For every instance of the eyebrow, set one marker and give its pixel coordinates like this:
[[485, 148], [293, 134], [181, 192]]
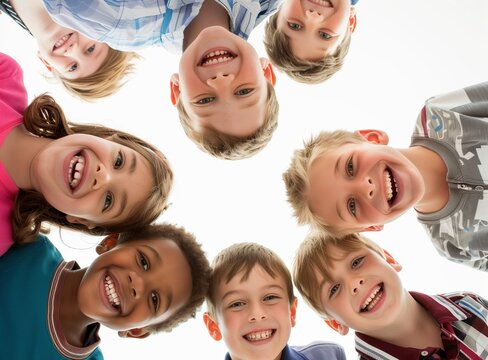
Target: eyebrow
[[336, 170], [253, 99], [154, 252], [123, 197], [232, 292]]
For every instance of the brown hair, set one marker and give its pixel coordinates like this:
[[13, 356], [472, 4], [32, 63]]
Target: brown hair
[[45, 118], [107, 80], [312, 259], [230, 147], [279, 51], [199, 268], [296, 177], [240, 259]]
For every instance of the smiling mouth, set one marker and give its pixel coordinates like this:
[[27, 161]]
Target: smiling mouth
[[324, 3], [391, 186], [259, 335], [75, 170], [61, 41], [373, 298], [217, 57], [112, 296]]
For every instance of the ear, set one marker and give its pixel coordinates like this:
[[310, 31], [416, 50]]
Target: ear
[[212, 327], [293, 312], [352, 19], [372, 228], [378, 137], [44, 61], [135, 333], [174, 84], [268, 70], [391, 260], [107, 243], [78, 220], [338, 327]]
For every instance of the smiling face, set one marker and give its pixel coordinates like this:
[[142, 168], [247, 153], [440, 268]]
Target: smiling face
[[315, 28], [222, 83], [93, 180], [356, 186], [136, 284], [363, 292], [254, 315]]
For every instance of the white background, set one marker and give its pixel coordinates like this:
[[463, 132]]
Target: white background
[[402, 53]]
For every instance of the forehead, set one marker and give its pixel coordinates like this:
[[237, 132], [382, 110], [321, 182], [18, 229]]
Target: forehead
[[256, 279]]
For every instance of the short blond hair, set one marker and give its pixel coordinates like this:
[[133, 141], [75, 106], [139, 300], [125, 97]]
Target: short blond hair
[[296, 177], [313, 259], [239, 260], [277, 45], [107, 80], [228, 147]]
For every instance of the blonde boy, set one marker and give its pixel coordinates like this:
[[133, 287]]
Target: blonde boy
[[353, 284], [344, 182], [309, 39], [251, 306]]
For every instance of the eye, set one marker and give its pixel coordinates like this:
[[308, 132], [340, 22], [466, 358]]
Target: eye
[[243, 92], [155, 301], [271, 297], [119, 160], [357, 262], [143, 262], [205, 100], [333, 290], [109, 199], [351, 207], [294, 26], [73, 67], [324, 35], [350, 167], [90, 49], [236, 305]]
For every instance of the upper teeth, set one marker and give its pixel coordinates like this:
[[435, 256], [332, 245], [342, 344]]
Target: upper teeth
[[112, 296], [389, 185], [369, 303], [61, 41], [323, 3], [259, 335], [222, 55], [75, 170]]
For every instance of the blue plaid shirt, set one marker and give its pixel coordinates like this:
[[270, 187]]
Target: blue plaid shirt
[[129, 25]]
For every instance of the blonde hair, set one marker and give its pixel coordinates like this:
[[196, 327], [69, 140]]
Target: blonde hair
[[239, 260], [197, 261], [313, 259], [296, 177], [45, 118], [229, 147], [107, 80], [277, 45]]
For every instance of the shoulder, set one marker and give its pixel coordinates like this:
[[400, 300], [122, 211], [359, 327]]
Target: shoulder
[[321, 350], [9, 67]]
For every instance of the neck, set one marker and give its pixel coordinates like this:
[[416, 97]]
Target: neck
[[211, 14], [434, 173], [73, 321], [34, 15]]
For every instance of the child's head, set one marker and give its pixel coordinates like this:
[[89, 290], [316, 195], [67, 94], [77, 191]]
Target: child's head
[[349, 281], [343, 182], [309, 40], [251, 304], [159, 274], [89, 178], [224, 95]]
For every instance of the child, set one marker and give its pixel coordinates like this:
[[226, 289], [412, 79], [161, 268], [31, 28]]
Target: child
[[309, 40], [353, 284], [85, 177], [224, 93], [344, 182], [251, 306], [86, 68], [148, 280]]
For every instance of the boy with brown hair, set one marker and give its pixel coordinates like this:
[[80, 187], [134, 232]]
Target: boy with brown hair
[[344, 182], [251, 306], [353, 283], [309, 39], [144, 281]]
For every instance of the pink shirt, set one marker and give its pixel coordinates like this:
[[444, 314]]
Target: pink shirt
[[13, 101]]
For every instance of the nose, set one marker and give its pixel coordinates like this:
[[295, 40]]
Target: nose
[[314, 15], [102, 177], [136, 284], [356, 285], [369, 188], [220, 80], [257, 313]]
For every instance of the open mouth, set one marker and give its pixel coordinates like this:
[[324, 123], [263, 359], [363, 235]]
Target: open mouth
[[324, 3], [391, 186], [217, 57], [112, 296], [62, 41], [259, 335], [75, 170], [373, 298]]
